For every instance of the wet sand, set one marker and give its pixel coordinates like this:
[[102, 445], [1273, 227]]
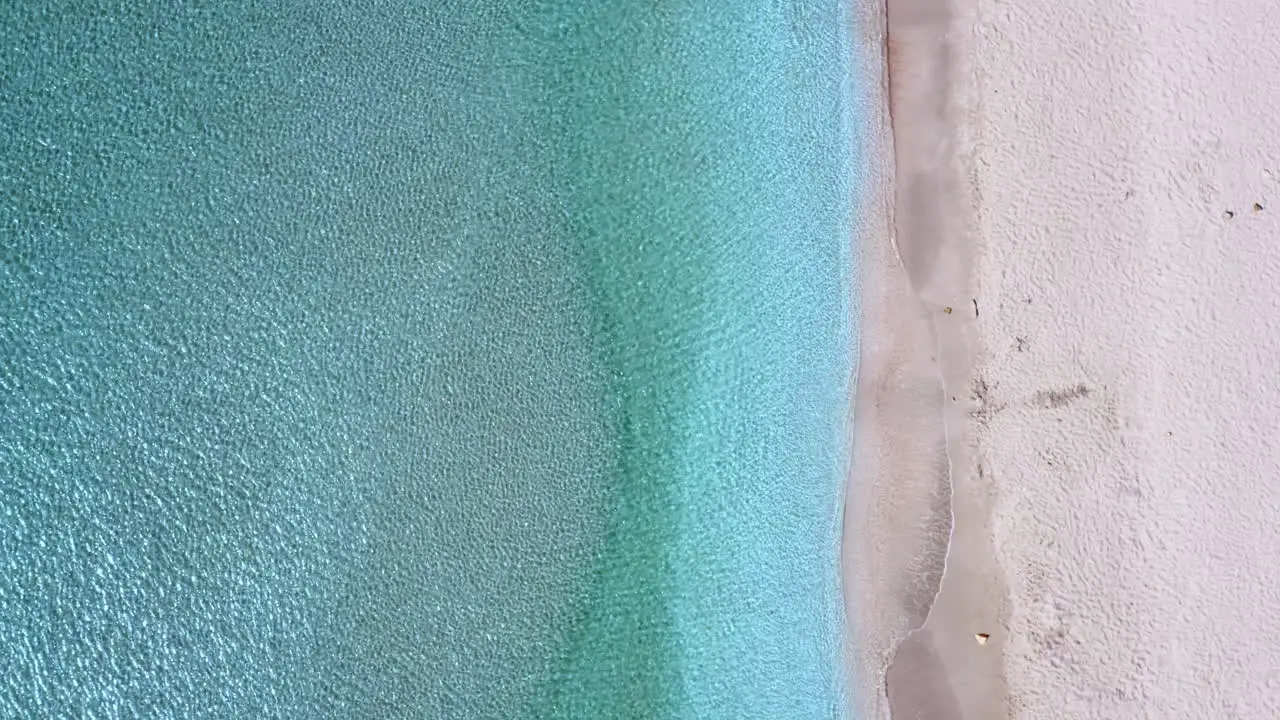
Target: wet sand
[[1066, 488], [924, 585]]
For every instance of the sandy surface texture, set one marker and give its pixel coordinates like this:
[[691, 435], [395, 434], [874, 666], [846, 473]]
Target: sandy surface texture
[[1069, 386], [1127, 162]]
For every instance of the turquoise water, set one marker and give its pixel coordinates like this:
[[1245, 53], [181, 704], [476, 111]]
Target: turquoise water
[[452, 359]]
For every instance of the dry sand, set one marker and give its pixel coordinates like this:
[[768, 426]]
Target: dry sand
[[1066, 499]]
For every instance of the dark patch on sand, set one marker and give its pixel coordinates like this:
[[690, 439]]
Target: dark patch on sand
[[1053, 399], [982, 394]]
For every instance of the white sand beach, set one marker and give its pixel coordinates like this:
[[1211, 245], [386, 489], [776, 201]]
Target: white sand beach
[[1066, 494]]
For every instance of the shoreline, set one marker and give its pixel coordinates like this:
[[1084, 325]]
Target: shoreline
[[923, 584], [1063, 485]]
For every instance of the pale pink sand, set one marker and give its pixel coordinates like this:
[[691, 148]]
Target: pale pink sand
[[1109, 424]]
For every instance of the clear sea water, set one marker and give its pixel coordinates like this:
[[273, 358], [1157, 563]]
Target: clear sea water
[[424, 359]]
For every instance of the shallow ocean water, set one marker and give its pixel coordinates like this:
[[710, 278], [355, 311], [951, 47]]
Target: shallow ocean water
[[398, 359]]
